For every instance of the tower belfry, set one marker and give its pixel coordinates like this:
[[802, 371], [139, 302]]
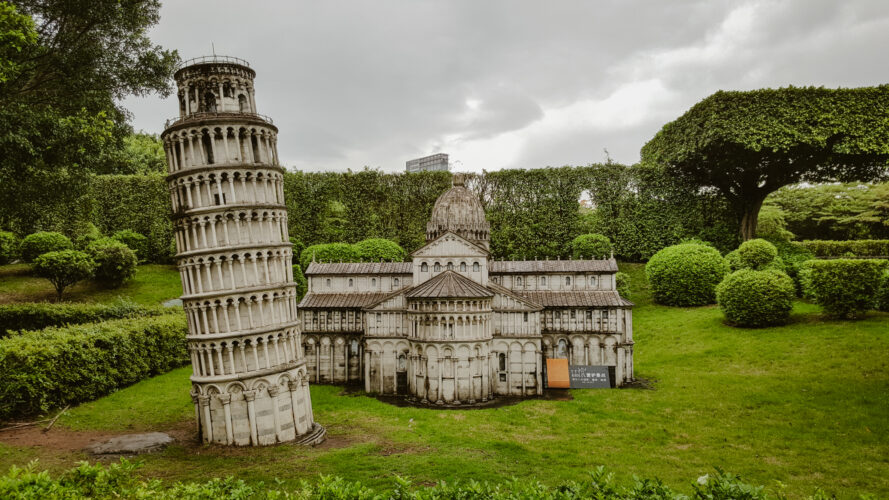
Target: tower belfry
[[249, 384]]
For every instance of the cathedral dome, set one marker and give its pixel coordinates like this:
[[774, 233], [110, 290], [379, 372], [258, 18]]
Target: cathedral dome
[[459, 211]]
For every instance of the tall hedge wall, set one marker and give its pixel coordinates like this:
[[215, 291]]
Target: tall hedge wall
[[39, 315], [532, 212], [57, 366]]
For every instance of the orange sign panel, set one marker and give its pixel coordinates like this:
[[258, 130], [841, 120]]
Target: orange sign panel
[[557, 374]]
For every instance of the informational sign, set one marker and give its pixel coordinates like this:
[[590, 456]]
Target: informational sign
[[557, 373], [589, 377]]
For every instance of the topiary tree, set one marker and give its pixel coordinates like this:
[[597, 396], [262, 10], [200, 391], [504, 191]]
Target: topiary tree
[[749, 144], [9, 247], [754, 299], [328, 252], [302, 284], [733, 261], [135, 241], [64, 268], [41, 242], [622, 284], [685, 274], [377, 249], [756, 254], [115, 264], [846, 288], [591, 246]]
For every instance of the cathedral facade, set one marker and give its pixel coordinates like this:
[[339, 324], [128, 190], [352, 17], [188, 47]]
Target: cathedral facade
[[455, 327]]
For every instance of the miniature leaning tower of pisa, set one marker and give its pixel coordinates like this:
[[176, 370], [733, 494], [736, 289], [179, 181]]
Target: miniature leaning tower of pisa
[[249, 384]]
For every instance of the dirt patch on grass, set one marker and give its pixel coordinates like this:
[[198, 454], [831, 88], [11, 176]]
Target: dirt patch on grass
[[54, 439]]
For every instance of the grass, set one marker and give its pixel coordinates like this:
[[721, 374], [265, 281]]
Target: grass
[[153, 284], [806, 404]]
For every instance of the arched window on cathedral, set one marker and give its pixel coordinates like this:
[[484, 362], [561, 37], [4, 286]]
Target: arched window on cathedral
[[567, 280], [502, 358], [373, 282], [463, 267], [450, 266], [350, 282], [594, 282], [562, 350], [518, 281], [424, 268], [475, 267], [327, 282], [395, 281], [437, 267]]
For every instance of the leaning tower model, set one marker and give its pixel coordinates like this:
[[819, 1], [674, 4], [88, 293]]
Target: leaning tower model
[[249, 384]]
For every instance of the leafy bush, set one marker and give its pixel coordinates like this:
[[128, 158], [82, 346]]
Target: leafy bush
[[686, 274], [297, 249], [328, 252], [135, 241], [858, 248], [753, 298], [64, 268], [733, 261], [756, 254], [39, 315], [591, 246], [622, 284], [115, 264], [122, 480], [377, 249], [793, 255], [89, 234], [883, 294], [846, 288], [302, 284], [57, 366], [804, 280], [39, 243], [9, 247]]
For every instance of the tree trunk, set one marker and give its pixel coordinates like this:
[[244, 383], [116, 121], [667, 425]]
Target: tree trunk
[[749, 218]]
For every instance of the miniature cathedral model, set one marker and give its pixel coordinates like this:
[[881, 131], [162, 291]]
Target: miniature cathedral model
[[250, 383], [455, 327]]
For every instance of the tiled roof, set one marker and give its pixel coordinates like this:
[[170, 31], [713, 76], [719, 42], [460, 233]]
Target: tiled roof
[[552, 266], [577, 299], [340, 300], [449, 284], [506, 291], [359, 268]]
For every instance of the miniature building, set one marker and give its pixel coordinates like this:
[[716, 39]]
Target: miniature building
[[433, 163], [453, 326], [250, 384]]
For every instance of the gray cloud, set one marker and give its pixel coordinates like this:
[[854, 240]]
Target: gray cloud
[[501, 84]]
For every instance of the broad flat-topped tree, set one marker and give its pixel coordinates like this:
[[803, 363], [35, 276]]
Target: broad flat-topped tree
[[749, 144]]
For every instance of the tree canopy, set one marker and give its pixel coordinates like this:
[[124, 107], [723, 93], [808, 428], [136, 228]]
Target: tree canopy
[[749, 144]]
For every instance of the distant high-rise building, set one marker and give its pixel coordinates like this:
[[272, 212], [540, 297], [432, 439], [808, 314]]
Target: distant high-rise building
[[433, 163]]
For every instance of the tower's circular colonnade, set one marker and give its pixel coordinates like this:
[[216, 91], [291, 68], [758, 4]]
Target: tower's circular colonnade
[[249, 383]]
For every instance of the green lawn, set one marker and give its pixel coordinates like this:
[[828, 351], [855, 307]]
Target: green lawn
[[152, 285], [806, 404]]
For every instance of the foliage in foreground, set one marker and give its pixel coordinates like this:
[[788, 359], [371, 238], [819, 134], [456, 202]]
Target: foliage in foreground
[[846, 288], [39, 315], [58, 366], [119, 480], [686, 274]]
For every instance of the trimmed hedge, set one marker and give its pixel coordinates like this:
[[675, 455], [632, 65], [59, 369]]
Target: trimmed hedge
[[591, 246], [847, 288], [115, 264], [883, 294], [39, 315], [328, 252], [9, 247], [57, 366], [755, 299], [860, 248], [134, 241], [686, 274], [42, 242], [756, 254], [377, 249]]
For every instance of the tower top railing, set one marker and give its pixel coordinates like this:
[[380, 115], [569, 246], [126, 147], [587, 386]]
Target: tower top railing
[[213, 59], [223, 114]]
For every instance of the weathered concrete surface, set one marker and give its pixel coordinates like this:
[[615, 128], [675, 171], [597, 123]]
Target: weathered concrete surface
[[131, 444]]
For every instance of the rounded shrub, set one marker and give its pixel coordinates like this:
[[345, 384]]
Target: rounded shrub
[[685, 274], [847, 288], [39, 243], [87, 235], [115, 264], [756, 254], [64, 268], [328, 252], [591, 246], [733, 261], [135, 241], [9, 247], [754, 299], [377, 249]]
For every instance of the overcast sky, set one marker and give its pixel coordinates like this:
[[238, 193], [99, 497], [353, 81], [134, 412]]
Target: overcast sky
[[510, 84]]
